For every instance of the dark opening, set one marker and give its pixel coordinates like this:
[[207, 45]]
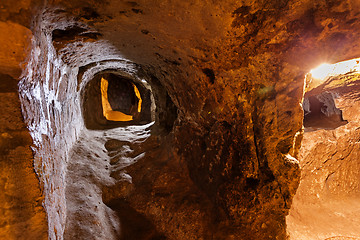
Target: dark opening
[[320, 112], [121, 94], [210, 74]]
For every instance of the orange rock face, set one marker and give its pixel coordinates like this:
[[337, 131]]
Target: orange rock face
[[21, 213], [326, 201]]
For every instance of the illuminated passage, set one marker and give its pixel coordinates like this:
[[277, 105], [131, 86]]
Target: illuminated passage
[[123, 105]]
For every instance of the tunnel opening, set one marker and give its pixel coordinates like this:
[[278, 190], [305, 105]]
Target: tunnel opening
[[323, 86], [320, 112], [121, 100], [112, 100], [330, 184]]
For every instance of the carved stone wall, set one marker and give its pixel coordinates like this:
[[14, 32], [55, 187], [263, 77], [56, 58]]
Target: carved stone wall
[[227, 79]]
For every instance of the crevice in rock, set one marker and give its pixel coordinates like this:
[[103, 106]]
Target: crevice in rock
[[210, 74], [67, 34]]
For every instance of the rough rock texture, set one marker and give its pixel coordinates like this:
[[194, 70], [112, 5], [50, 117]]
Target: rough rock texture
[[320, 111], [326, 205], [227, 80], [21, 213], [232, 186]]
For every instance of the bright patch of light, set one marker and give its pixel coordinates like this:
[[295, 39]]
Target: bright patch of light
[[328, 70]]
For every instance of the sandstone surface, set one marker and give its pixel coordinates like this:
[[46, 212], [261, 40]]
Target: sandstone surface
[[326, 203]]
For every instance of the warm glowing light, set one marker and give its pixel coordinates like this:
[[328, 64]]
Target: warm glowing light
[[328, 70], [322, 71], [108, 112], [137, 93]]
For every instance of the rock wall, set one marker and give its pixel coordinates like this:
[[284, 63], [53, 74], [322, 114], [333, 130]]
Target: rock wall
[[49, 106], [326, 202], [227, 80], [21, 213], [50, 91], [239, 192]]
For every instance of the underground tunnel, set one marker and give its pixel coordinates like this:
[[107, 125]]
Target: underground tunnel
[[179, 120], [325, 204]]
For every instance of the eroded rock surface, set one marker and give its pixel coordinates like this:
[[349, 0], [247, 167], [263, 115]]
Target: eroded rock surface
[[21, 213], [326, 205], [320, 111]]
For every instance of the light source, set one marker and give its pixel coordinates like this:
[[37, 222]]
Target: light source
[[326, 70]]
